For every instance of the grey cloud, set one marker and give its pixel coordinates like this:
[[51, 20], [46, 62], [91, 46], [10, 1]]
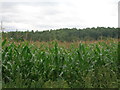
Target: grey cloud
[[10, 12], [46, 14], [12, 4], [119, 14], [9, 8]]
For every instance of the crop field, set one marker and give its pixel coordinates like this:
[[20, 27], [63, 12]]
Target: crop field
[[60, 65]]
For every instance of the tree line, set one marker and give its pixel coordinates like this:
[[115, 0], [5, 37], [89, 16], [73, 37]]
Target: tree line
[[63, 34]]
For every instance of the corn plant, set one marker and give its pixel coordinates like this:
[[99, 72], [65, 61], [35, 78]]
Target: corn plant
[[91, 65]]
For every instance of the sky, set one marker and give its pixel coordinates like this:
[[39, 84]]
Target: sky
[[54, 14]]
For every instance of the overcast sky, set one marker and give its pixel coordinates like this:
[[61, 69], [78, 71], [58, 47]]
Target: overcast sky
[[55, 14]]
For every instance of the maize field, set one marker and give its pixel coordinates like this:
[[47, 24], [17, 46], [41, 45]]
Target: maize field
[[50, 65]]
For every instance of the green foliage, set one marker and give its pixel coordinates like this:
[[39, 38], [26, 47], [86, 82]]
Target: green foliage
[[56, 84], [64, 34], [92, 65]]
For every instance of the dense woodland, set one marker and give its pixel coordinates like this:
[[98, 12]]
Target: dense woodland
[[64, 34]]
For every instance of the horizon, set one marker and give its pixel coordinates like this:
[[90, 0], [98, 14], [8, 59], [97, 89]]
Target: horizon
[[55, 29]]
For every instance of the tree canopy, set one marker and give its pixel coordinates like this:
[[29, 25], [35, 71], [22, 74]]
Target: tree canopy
[[64, 34]]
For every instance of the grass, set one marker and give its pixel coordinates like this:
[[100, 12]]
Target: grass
[[55, 65]]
